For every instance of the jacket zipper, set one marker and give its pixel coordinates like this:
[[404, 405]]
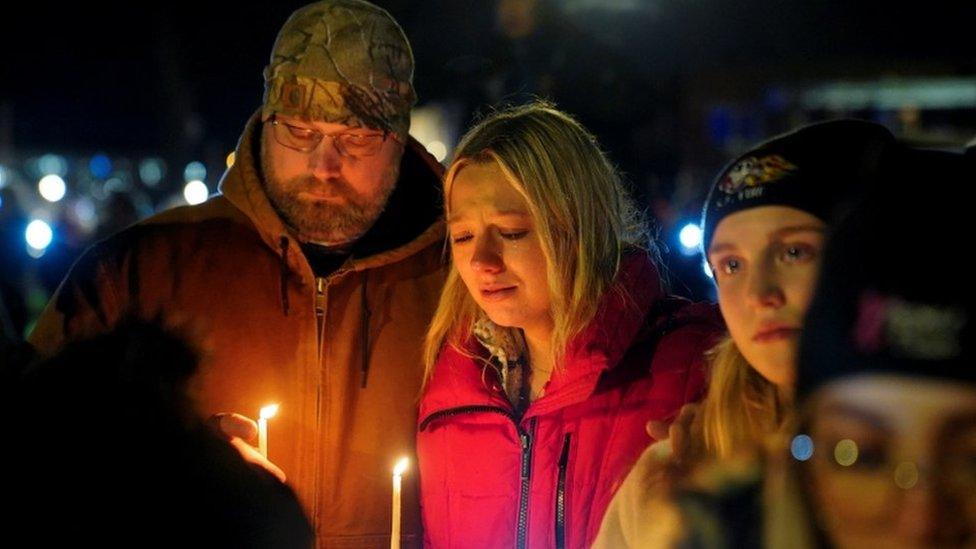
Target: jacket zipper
[[320, 312], [523, 514], [561, 495], [321, 305], [320, 302], [473, 409]]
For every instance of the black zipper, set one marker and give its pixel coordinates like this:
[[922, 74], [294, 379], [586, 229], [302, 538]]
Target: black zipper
[[561, 495], [473, 409], [523, 513]]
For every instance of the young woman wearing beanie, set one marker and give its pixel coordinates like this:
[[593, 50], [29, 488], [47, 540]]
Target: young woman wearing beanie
[[764, 225], [553, 344]]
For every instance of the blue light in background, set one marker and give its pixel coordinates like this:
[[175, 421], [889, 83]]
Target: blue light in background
[[100, 166], [802, 447]]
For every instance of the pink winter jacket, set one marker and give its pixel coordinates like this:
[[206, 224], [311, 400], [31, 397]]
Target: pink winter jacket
[[491, 479]]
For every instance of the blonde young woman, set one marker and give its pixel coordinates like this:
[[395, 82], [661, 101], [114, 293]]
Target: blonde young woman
[[764, 226], [553, 343]]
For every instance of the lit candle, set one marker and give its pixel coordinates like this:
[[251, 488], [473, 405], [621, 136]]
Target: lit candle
[[398, 470], [267, 413]]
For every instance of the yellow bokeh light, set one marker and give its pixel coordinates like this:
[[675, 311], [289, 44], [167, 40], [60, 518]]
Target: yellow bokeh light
[[846, 452], [906, 475]]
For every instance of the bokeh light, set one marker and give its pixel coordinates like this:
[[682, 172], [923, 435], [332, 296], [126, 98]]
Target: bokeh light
[[802, 447], [845, 452], [38, 234], [51, 187], [196, 192]]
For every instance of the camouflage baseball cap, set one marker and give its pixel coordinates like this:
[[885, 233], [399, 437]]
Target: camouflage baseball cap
[[342, 61]]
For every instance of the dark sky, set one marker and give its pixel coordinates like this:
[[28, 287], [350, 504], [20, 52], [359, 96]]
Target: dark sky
[[85, 76], [121, 75]]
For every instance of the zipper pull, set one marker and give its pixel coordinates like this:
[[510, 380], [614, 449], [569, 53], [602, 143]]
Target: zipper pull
[[319, 297]]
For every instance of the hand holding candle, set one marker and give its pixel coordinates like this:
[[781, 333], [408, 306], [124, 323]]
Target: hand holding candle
[[241, 431], [266, 413], [398, 470]]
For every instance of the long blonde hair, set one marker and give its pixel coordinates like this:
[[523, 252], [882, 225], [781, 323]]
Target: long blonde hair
[[584, 217], [741, 406]]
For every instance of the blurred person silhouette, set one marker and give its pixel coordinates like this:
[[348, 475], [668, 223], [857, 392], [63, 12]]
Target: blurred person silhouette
[[14, 263], [107, 447], [68, 242], [120, 210]]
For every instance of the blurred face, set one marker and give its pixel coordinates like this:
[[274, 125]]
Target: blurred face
[[496, 249], [894, 462], [517, 18], [766, 261], [323, 195]]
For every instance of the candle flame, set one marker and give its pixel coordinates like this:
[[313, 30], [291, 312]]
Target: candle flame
[[401, 466], [269, 411]]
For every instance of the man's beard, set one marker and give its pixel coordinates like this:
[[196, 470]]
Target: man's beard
[[322, 221]]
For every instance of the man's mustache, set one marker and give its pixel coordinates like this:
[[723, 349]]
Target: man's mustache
[[310, 182]]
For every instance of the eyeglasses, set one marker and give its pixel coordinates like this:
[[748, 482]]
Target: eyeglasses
[[349, 144]]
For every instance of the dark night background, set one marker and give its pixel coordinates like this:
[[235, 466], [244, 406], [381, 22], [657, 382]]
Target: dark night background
[[119, 76], [673, 88]]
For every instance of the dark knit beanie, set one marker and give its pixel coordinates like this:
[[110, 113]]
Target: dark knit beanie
[[894, 295], [814, 169]]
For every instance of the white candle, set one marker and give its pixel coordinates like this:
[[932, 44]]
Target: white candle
[[398, 470], [267, 413]]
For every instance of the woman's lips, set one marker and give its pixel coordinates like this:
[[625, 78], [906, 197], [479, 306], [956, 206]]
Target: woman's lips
[[775, 334], [497, 294]]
